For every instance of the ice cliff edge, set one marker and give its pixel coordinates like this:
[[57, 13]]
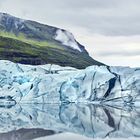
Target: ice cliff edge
[[54, 84]]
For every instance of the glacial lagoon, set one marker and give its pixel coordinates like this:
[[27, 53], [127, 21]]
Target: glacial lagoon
[[84, 121]]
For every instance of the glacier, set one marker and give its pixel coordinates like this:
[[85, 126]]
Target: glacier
[[99, 101], [49, 83]]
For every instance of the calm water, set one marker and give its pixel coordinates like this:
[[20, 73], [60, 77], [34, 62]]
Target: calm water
[[68, 121]]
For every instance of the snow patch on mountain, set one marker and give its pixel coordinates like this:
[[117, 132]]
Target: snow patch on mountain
[[67, 38], [11, 21], [19, 24]]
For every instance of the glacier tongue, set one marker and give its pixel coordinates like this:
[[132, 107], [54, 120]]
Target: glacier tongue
[[54, 84]]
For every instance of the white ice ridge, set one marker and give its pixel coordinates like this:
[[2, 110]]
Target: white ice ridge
[[67, 38], [55, 84]]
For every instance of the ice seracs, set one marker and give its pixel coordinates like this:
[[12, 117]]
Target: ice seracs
[[55, 84], [66, 38]]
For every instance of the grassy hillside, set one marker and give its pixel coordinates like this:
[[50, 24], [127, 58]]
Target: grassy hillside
[[30, 42], [27, 51], [23, 38]]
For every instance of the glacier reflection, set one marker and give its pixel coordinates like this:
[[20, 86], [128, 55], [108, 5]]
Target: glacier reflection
[[89, 120]]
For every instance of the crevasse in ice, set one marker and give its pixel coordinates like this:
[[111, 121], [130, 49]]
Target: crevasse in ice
[[54, 84]]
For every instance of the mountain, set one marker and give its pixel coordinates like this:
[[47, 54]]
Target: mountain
[[29, 42]]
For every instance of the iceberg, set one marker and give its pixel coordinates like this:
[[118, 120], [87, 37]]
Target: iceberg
[[55, 84]]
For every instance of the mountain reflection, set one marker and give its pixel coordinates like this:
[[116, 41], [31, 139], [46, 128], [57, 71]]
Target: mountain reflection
[[29, 121], [26, 134]]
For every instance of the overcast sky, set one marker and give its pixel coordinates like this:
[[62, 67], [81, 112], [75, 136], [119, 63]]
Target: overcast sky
[[109, 29]]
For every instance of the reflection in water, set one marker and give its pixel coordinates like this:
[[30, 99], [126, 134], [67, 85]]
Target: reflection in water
[[89, 120], [26, 134]]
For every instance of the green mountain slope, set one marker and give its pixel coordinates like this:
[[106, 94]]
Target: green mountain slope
[[29, 42]]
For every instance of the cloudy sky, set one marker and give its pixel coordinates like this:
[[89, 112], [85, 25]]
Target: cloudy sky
[[109, 29]]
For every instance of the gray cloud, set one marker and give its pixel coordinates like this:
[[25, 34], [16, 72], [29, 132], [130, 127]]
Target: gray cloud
[[120, 53], [104, 26], [107, 17]]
